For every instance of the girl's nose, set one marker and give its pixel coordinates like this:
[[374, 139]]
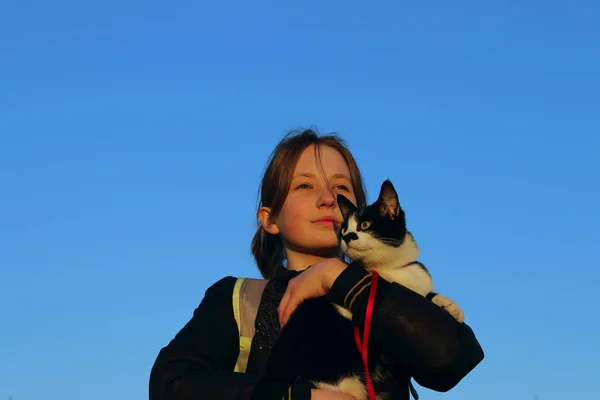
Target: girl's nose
[[326, 198]]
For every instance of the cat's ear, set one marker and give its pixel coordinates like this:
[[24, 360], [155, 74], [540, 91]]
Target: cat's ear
[[346, 206], [388, 204]]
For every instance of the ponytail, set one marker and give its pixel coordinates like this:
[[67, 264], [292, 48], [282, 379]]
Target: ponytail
[[268, 252]]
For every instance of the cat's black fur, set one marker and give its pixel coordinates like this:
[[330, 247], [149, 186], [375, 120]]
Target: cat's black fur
[[317, 345]]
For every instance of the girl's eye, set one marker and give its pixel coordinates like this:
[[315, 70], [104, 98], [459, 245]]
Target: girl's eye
[[342, 187], [365, 225], [303, 186]]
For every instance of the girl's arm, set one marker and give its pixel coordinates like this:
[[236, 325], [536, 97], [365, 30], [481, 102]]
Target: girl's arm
[[422, 338], [198, 363]]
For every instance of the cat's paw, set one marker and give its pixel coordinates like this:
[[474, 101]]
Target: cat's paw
[[450, 306], [343, 312]]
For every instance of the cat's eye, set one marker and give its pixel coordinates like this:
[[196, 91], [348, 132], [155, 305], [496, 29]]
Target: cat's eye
[[365, 225]]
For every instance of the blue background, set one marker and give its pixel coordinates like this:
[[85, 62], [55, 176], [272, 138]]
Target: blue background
[[133, 136]]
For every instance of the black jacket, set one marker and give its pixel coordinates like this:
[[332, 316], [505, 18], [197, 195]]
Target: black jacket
[[425, 342]]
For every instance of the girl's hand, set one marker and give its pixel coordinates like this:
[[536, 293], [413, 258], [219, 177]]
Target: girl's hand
[[315, 281], [324, 394]]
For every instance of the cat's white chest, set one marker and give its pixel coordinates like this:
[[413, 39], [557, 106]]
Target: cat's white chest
[[412, 276]]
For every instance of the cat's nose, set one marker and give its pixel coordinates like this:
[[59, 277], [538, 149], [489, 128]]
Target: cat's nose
[[348, 237]]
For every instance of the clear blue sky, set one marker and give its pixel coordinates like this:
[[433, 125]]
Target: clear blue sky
[[133, 135]]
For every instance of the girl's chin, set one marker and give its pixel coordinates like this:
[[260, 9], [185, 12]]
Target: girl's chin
[[329, 251], [323, 247]]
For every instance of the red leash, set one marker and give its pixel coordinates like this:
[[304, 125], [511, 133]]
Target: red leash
[[363, 348]]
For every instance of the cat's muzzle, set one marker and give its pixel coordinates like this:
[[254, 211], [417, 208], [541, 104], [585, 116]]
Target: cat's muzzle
[[350, 237]]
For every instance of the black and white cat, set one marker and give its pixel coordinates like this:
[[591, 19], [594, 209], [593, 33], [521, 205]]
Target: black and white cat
[[316, 344], [377, 237]]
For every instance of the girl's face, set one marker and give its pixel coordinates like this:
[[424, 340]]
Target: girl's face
[[310, 217]]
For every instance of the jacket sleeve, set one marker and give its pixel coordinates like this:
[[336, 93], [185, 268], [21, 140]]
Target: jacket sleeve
[[424, 340], [198, 363]]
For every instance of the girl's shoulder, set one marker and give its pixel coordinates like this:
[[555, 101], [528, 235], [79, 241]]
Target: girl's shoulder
[[236, 289], [221, 288]]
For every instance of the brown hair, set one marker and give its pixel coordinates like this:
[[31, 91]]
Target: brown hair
[[267, 249]]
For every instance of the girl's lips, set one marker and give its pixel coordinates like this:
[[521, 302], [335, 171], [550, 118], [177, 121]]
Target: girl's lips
[[325, 222]]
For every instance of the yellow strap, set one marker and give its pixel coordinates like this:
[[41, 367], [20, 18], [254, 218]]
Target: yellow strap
[[242, 361], [245, 342], [246, 298], [236, 300]]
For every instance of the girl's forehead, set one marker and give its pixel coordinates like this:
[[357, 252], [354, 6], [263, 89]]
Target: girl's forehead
[[330, 159]]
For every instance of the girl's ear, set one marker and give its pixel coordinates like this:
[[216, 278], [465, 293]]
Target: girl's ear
[[264, 215]]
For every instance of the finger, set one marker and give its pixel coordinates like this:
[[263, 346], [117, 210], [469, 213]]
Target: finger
[[289, 292], [283, 303], [290, 307]]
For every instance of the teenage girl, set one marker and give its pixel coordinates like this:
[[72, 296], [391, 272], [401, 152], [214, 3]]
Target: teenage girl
[[297, 216]]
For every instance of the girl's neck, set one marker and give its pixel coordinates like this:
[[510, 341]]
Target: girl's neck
[[300, 261]]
